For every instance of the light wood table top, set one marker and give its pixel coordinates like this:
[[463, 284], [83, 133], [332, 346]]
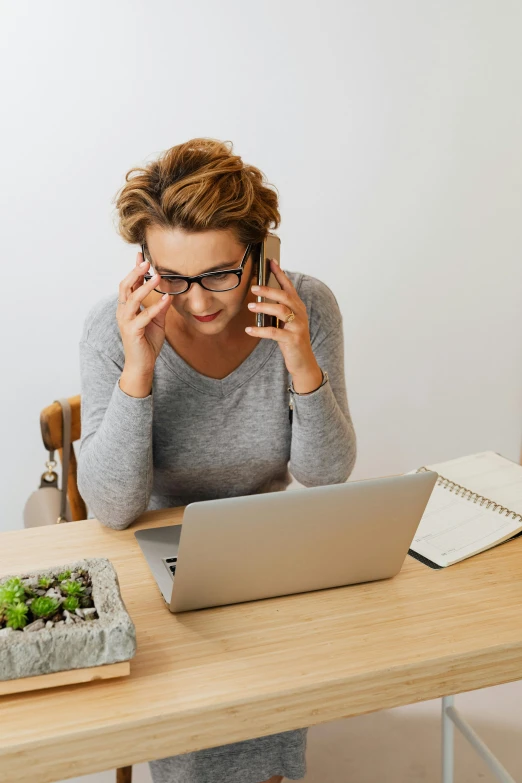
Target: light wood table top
[[206, 678]]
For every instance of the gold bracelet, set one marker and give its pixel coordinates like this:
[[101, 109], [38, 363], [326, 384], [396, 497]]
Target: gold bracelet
[[304, 394]]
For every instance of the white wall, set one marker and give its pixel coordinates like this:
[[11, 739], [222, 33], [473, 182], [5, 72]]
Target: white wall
[[393, 132]]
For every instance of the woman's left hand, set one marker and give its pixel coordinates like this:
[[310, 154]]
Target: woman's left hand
[[294, 336]]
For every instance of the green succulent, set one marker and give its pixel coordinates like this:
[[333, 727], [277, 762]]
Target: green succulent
[[45, 581], [44, 605], [70, 587], [63, 576], [16, 616], [12, 592], [71, 603]]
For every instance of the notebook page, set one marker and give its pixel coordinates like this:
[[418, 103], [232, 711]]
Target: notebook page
[[488, 474], [453, 528]]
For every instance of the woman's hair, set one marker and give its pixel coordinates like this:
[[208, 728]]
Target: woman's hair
[[197, 186]]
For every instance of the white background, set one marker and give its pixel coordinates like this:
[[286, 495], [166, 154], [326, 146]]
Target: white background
[[393, 133]]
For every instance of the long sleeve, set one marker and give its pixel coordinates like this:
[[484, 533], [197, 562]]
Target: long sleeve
[[324, 447], [115, 456]]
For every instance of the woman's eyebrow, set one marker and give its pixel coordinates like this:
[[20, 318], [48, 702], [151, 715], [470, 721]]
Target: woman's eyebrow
[[164, 271]]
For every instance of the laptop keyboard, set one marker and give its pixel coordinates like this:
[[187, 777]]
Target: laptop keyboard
[[170, 563]]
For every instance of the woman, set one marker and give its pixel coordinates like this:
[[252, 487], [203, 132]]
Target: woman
[[184, 399]]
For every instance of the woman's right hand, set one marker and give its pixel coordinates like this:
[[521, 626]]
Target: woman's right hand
[[142, 331]]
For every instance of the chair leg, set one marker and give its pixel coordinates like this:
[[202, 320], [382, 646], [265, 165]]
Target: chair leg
[[124, 775]]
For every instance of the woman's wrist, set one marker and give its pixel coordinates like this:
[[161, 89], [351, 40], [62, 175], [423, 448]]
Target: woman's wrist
[[307, 381], [135, 384]]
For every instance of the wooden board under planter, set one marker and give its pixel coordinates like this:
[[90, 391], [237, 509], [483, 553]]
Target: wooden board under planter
[[69, 677]]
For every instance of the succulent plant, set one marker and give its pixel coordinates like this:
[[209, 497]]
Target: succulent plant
[[71, 603], [43, 606], [12, 592], [16, 616], [22, 600], [70, 587]]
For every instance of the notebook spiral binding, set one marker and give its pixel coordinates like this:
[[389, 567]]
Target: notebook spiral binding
[[458, 489]]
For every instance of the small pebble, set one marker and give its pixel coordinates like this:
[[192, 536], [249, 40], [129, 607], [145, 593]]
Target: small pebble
[[89, 612], [49, 624], [79, 612], [38, 625], [53, 593]]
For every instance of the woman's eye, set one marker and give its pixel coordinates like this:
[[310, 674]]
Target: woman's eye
[[220, 275]]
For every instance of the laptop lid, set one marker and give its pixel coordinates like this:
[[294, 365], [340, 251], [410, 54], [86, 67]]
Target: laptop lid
[[260, 546]]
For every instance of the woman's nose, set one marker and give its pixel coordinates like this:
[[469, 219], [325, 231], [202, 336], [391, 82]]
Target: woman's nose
[[199, 298]]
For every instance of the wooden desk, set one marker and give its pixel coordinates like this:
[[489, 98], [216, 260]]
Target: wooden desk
[[221, 675]]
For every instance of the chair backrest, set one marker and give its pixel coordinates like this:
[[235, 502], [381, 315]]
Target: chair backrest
[[52, 434]]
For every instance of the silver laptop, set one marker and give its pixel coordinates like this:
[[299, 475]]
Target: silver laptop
[[245, 548]]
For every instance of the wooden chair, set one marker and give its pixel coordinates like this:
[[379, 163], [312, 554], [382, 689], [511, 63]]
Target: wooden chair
[[52, 434]]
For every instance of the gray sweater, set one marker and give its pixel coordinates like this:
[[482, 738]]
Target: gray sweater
[[196, 438]]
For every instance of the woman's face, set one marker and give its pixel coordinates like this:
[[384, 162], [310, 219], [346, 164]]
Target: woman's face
[[180, 252]]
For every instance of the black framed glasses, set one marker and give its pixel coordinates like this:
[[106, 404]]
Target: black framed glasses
[[221, 280]]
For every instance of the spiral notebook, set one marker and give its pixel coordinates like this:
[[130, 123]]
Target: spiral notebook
[[475, 505]]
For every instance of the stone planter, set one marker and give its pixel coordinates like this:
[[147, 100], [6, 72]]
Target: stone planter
[[74, 645]]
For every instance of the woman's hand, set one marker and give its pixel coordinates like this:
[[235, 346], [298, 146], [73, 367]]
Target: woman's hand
[[142, 331], [294, 337]]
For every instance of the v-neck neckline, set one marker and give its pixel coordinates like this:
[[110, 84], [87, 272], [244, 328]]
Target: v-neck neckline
[[218, 387]]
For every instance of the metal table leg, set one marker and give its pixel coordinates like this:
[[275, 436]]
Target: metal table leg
[[450, 719], [448, 741]]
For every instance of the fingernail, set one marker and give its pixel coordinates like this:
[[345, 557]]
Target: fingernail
[[249, 329], [144, 263], [255, 288], [251, 306]]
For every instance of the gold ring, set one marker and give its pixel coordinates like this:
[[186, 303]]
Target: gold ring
[[290, 317]]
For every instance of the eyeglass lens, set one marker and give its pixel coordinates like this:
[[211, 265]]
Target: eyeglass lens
[[220, 282]]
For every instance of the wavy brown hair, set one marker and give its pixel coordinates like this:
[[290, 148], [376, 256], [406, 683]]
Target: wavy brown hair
[[197, 186]]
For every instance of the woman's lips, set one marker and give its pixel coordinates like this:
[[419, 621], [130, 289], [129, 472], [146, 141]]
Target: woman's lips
[[205, 318]]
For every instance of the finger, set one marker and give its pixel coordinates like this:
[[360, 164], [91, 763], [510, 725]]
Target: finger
[[133, 279], [280, 311], [269, 332], [281, 277], [276, 295], [136, 297], [142, 265], [156, 312]]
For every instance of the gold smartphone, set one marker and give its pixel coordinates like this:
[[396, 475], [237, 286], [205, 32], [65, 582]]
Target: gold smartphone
[[269, 248]]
